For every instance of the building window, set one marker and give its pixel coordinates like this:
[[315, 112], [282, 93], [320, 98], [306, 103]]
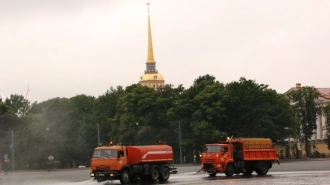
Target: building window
[[155, 77]]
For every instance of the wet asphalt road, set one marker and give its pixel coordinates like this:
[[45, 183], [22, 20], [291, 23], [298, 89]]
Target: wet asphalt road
[[287, 173]]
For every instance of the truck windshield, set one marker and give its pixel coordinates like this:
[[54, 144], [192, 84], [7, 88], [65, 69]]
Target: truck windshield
[[210, 148], [105, 153]]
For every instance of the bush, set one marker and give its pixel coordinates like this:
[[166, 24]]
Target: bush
[[37, 166], [56, 164]]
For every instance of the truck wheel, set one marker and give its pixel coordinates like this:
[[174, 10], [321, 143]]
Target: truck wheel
[[125, 177], [213, 174], [165, 174], [137, 178], [263, 169], [100, 179], [230, 170], [248, 171], [154, 173]]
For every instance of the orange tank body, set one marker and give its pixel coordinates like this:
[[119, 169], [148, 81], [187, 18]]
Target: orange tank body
[[132, 163], [149, 154]]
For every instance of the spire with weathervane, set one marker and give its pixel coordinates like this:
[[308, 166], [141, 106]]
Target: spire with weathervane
[[151, 63], [151, 77]]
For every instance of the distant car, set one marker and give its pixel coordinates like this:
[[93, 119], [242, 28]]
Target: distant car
[[81, 166]]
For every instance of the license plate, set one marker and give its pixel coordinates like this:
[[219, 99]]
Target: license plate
[[101, 174]]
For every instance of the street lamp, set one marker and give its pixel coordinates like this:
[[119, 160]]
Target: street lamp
[[12, 149], [50, 158], [98, 135], [136, 134]]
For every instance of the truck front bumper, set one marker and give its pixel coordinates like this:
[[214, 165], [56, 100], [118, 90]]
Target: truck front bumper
[[103, 174], [212, 168]]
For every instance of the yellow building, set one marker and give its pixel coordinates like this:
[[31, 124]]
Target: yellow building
[[151, 77]]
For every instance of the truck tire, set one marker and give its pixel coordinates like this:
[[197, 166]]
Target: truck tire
[[137, 178], [230, 170], [125, 177], [248, 171], [164, 174], [154, 173], [263, 169], [213, 174], [99, 179]]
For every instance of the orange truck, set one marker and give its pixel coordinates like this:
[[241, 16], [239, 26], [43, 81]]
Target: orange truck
[[132, 163], [235, 156]]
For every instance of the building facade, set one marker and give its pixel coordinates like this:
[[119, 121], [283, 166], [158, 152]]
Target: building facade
[[151, 78]]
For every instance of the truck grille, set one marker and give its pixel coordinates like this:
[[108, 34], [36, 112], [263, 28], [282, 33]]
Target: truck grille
[[103, 168], [209, 161], [207, 166]]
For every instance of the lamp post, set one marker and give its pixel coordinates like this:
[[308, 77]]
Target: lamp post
[[180, 142], [136, 134], [12, 150], [98, 135], [50, 158]]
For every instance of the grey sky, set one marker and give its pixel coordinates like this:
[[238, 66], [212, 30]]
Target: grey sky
[[61, 48]]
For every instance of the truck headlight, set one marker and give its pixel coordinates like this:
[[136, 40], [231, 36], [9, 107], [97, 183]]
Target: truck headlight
[[92, 174]]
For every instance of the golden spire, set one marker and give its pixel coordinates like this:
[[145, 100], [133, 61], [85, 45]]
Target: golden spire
[[150, 48]]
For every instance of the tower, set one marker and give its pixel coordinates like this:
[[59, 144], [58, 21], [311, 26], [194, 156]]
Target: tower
[[151, 77]]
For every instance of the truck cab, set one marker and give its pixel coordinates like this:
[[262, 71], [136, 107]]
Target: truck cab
[[107, 161], [215, 157]]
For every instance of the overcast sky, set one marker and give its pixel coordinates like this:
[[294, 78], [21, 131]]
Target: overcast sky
[[62, 48]]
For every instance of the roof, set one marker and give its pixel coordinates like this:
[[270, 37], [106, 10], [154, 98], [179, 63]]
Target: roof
[[116, 147], [325, 92]]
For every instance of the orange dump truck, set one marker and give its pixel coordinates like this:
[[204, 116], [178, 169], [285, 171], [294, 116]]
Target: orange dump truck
[[235, 156], [132, 163]]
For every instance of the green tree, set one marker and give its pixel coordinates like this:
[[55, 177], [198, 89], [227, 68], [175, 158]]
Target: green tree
[[254, 110], [167, 99], [30, 147], [18, 104], [306, 110], [8, 121], [106, 109], [201, 111], [136, 116], [75, 149]]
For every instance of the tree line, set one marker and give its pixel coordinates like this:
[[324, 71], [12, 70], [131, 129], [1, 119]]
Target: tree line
[[208, 111]]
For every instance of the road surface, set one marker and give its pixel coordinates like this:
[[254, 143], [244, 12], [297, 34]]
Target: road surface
[[300, 172]]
